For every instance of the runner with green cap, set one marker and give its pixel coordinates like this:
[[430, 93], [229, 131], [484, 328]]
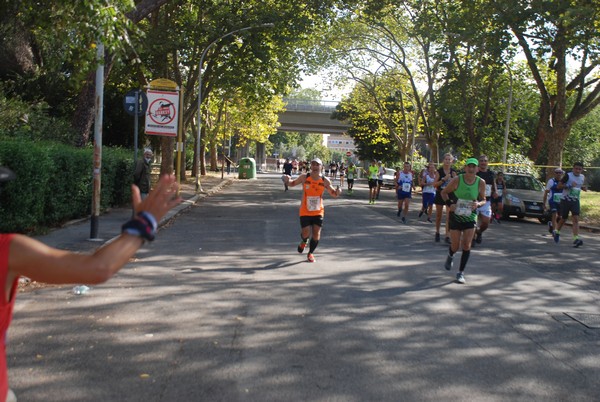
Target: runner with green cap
[[470, 193]]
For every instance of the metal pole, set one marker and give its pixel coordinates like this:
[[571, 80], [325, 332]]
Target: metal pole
[[135, 124], [97, 168], [199, 133], [179, 143], [507, 125]]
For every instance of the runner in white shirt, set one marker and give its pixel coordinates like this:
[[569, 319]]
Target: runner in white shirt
[[571, 184]]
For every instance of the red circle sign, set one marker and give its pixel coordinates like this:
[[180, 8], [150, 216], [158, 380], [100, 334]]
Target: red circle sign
[[348, 153], [162, 111]]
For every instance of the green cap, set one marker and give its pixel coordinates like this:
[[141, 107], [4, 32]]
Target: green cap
[[472, 161]]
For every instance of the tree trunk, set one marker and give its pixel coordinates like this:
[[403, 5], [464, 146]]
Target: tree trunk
[[167, 147], [213, 156], [556, 146]]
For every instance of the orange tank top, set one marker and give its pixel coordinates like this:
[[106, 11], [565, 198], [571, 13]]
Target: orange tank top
[[312, 197]]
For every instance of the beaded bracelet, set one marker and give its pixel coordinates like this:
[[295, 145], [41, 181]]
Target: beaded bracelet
[[143, 225]]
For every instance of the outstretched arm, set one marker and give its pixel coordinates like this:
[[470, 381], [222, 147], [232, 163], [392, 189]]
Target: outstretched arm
[[42, 263], [296, 181]]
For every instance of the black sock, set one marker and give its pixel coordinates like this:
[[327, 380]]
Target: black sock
[[450, 252], [463, 259], [313, 245]]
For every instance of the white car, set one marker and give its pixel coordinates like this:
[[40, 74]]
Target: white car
[[388, 178]]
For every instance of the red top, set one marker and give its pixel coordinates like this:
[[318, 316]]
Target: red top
[[6, 308]]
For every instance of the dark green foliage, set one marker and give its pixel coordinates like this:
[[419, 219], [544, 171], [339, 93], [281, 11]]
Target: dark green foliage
[[54, 183]]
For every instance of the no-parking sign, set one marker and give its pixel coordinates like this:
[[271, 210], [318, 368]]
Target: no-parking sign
[[163, 112]]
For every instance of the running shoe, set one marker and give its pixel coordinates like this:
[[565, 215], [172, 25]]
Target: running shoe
[[578, 243], [448, 240], [478, 239], [398, 213], [449, 263], [421, 213], [310, 257], [437, 237], [404, 220], [556, 236], [429, 220], [550, 228], [302, 246], [460, 278]]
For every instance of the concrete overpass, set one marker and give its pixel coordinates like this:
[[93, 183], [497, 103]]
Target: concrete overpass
[[311, 116]]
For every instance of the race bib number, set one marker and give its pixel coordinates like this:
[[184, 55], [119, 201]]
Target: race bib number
[[574, 192], [463, 208], [313, 203], [406, 187], [350, 176], [557, 197], [499, 192], [488, 190], [428, 189]]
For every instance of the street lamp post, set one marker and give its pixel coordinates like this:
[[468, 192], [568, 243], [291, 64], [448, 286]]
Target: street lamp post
[[199, 135], [507, 125]]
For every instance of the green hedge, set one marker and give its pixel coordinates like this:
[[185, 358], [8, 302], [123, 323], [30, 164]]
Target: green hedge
[[54, 183]]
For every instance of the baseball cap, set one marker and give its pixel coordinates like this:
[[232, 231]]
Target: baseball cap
[[558, 170], [472, 161], [317, 160], [6, 174]]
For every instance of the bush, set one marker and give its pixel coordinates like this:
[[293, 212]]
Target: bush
[[54, 183]]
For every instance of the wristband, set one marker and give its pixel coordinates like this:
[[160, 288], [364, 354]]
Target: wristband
[[143, 225], [448, 202]]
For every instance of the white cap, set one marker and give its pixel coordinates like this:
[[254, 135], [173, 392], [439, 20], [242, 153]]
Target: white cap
[[317, 160]]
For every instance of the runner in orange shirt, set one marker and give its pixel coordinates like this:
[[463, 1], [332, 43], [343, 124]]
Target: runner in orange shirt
[[312, 210]]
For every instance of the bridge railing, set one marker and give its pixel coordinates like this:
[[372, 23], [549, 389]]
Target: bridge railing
[[301, 105]]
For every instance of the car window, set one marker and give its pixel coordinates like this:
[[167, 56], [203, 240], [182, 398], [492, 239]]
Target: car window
[[522, 183]]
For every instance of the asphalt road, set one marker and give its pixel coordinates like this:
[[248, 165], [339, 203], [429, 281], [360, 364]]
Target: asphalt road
[[221, 307]]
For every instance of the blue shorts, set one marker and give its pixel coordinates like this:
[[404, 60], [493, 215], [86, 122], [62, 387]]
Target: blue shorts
[[554, 206], [402, 195], [428, 199]]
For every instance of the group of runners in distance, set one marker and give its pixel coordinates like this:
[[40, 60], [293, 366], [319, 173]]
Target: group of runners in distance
[[471, 198]]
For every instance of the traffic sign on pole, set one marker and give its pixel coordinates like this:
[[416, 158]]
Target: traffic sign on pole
[[129, 102]]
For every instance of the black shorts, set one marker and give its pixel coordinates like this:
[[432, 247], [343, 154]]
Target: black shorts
[[372, 183], [311, 220], [567, 206], [456, 225]]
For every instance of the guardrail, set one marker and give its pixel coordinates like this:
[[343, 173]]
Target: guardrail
[[300, 105]]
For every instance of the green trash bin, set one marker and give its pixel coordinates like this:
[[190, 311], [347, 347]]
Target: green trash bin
[[247, 168]]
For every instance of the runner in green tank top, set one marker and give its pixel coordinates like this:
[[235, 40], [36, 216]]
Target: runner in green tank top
[[470, 193]]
